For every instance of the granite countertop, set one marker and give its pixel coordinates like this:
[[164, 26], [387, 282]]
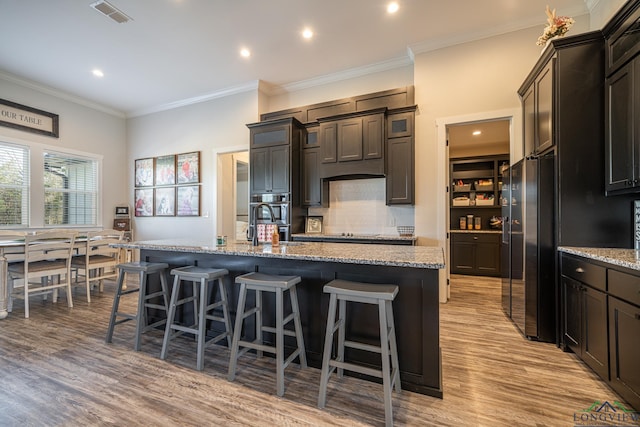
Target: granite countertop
[[429, 257], [353, 236], [616, 256], [486, 231]]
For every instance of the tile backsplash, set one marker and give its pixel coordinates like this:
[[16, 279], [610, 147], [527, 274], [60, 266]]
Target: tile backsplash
[[358, 206]]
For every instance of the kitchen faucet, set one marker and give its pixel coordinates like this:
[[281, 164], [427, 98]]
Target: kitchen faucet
[[254, 220]]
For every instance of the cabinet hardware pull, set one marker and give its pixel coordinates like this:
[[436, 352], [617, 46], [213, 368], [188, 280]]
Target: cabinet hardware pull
[[475, 237], [579, 270]]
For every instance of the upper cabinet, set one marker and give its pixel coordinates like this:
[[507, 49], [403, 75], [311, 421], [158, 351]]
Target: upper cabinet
[[400, 157], [275, 156], [537, 105], [622, 91]]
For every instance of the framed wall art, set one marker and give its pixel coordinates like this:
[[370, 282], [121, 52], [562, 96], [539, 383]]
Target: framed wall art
[[188, 168], [165, 201], [188, 203], [165, 170], [313, 225], [144, 172], [144, 202]]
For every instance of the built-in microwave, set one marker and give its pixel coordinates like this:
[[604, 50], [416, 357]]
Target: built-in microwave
[[280, 213]]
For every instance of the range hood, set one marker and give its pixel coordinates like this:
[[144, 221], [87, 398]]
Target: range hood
[[373, 168]]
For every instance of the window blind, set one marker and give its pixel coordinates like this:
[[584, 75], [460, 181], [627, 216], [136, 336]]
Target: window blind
[[70, 190], [14, 185]]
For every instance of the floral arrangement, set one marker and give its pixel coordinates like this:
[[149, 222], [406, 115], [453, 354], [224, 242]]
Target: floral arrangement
[[557, 26]]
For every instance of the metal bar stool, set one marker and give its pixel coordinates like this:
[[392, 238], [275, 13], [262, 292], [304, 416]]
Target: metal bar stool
[[382, 296], [268, 283], [143, 269], [202, 310]]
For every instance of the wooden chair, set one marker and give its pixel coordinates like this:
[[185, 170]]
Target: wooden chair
[[98, 259], [47, 254]]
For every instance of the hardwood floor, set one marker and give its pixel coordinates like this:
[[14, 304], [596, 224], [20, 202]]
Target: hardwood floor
[[55, 369]]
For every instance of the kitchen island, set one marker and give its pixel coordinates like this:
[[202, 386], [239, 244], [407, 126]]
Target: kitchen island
[[413, 268]]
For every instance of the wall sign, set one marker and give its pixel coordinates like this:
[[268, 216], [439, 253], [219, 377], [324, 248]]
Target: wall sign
[[29, 119]]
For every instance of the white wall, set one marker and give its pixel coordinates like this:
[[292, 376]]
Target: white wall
[[83, 130], [603, 10], [210, 127]]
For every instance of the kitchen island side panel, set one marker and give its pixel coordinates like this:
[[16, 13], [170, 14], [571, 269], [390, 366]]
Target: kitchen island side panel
[[416, 308]]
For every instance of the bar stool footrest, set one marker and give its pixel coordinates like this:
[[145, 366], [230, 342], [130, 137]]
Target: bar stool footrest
[[356, 368], [363, 346]]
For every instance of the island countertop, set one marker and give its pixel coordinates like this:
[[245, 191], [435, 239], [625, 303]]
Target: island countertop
[[429, 257]]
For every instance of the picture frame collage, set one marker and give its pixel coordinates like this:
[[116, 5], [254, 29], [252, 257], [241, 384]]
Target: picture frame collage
[[167, 185]]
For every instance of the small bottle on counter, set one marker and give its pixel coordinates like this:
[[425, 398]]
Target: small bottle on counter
[[275, 237], [478, 222], [469, 222]]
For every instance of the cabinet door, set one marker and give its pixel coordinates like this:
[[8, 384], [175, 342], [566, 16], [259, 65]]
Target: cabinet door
[[329, 142], [544, 108], [400, 171], [400, 124], [624, 330], [260, 171], [372, 136], [350, 140], [572, 313], [529, 119], [279, 166], [595, 345], [621, 161], [488, 258], [463, 256], [311, 184], [264, 136]]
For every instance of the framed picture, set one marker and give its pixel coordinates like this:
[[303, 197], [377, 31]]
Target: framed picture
[[188, 200], [166, 170], [165, 201], [188, 168], [144, 172], [313, 225], [122, 210], [144, 202], [122, 224]]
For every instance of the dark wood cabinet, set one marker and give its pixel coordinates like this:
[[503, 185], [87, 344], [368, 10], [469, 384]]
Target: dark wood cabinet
[[622, 123], [624, 330], [622, 98], [373, 136], [275, 157], [475, 254], [537, 105], [328, 136], [400, 157], [352, 137], [585, 312], [350, 140], [311, 182], [400, 172]]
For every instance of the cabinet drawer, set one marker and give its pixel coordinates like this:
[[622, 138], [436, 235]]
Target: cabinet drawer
[[476, 237], [624, 286], [585, 272]]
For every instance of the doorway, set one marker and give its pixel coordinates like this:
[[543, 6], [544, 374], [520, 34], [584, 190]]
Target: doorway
[[233, 195], [451, 132]]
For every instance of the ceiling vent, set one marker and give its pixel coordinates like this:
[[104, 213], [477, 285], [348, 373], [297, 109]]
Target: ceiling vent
[[110, 11]]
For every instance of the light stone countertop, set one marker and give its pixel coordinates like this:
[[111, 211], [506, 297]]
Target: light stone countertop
[[485, 231], [616, 256], [428, 257], [353, 236]]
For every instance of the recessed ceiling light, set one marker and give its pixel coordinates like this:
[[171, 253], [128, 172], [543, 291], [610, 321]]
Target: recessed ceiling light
[[307, 33], [245, 53], [393, 7], [477, 132], [98, 73]]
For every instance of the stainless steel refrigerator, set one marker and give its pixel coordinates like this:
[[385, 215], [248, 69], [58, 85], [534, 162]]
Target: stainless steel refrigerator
[[530, 235]]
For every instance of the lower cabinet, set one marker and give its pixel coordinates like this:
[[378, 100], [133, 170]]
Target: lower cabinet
[[601, 312], [475, 254], [585, 324]]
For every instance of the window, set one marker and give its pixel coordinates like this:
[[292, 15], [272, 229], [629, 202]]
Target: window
[[70, 190], [14, 185]]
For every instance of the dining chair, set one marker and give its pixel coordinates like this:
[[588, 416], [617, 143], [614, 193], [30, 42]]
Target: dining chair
[[98, 259], [47, 256]]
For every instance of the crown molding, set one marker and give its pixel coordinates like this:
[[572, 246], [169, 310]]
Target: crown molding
[[234, 90], [60, 94]]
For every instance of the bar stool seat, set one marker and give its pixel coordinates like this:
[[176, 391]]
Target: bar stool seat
[[259, 283], [202, 310], [143, 269], [381, 295]]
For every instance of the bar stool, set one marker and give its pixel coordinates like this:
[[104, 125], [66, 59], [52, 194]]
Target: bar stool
[[143, 269], [268, 283], [202, 310], [382, 296]]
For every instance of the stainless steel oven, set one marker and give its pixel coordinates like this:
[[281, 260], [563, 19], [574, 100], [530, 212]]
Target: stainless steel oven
[[280, 213]]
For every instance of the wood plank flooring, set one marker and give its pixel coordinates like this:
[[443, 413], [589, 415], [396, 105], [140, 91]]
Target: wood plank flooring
[[56, 370]]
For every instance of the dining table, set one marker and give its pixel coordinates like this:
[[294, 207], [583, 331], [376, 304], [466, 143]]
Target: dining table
[[13, 250]]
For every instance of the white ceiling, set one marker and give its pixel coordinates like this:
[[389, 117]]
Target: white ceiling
[[177, 50]]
